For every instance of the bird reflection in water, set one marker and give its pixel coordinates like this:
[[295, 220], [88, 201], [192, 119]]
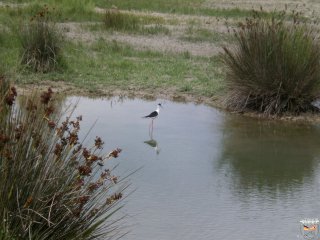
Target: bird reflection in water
[[154, 144]]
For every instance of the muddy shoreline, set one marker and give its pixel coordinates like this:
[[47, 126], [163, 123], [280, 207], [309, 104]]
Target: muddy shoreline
[[165, 94]]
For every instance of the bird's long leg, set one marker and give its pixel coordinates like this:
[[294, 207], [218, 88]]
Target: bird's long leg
[[151, 129], [150, 134]]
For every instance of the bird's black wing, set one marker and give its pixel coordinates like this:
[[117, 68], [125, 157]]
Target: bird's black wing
[[151, 115]]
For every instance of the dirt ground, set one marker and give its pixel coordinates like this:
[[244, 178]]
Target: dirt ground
[[162, 43], [308, 6], [174, 43]]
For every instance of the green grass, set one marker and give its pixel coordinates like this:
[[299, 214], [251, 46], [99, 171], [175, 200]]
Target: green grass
[[132, 23], [197, 34], [105, 65], [155, 5], [226, 13], [116, 20], [83, 10], [155, 30], [117, 66], [62, 11], [100, 64], [190, 7]]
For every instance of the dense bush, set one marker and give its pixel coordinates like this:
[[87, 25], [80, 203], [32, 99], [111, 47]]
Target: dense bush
[[52, 187], [41, 43], [274, 66]]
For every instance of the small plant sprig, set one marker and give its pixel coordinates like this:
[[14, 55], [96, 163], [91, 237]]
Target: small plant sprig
[[52, 186]]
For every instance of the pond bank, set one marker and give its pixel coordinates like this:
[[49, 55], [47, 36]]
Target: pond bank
[[146, 94], [153, 94]]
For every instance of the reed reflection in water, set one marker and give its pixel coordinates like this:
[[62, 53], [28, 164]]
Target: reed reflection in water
[[269, 155]]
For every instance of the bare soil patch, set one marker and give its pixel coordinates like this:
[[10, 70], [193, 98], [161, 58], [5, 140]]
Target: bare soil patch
[[162, 43], [172, 43], [168, 44], [309, 7]]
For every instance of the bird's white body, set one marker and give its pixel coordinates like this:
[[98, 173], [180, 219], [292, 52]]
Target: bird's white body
[[158, 110]]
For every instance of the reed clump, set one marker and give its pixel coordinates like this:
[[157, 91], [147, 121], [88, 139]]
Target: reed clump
[[52, 187], [41, 43], [274, 67], [116, 20]]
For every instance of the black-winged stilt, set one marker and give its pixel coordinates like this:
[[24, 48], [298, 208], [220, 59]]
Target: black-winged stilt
[[154, 115]]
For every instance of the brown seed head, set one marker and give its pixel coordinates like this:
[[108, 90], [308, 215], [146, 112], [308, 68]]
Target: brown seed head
[[58, 149], [84, 170], [86, 153], [46, 96], [83, 200], [51, 124], [98, 142], [49, 110], [115, 153], [14, 91], [9, 99]]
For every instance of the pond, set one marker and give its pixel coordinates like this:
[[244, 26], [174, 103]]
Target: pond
[[207, 174]]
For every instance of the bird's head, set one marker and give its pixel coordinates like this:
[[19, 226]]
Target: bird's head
[[160, 105]]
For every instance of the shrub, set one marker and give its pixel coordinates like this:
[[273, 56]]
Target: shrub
[[51, 186], [115, 20], [41, 43], [274, 66]]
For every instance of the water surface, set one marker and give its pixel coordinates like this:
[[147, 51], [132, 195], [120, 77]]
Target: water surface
[[207, 174]]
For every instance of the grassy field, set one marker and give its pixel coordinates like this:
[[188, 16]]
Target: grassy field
[[143, 48]]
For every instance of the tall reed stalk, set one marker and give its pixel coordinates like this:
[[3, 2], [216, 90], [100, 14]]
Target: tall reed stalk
[[51, 186]]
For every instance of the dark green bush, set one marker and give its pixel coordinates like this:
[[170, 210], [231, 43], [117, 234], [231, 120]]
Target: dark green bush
[[274, 66], [41, 43], [51, 186]]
